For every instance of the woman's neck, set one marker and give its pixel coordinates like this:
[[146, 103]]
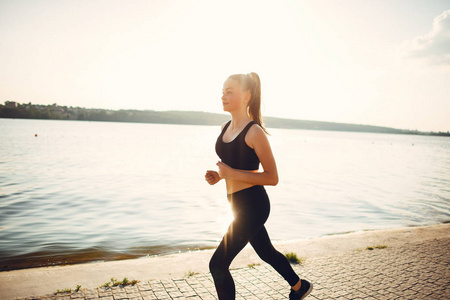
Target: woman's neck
[[239, 119]]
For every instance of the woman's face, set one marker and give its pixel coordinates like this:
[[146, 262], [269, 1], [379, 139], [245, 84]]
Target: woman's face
[[233, 98]]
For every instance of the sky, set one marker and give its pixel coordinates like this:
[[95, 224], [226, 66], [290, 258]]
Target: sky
[[384, 63]]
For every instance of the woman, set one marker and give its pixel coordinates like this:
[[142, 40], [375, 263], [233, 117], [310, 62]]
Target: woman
[[242, 146]]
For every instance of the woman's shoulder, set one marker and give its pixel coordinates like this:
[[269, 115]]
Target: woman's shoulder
[[255, 128], [255, 135]]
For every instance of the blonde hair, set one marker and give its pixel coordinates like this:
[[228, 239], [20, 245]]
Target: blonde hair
[[251, 83]]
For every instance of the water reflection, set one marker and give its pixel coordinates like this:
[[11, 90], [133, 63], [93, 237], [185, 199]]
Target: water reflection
[[133, 189]]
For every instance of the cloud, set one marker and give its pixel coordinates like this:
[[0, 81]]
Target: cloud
[[434, 46]]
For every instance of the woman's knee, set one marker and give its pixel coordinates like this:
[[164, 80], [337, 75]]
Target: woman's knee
[[269, 255], [218, 269], [216, 263], [213, 264]]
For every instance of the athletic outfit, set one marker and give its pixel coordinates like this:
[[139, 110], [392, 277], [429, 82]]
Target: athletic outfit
[[251, 209], [237, 154]]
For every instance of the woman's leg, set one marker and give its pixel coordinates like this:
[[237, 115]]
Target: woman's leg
[[238, 235], [227, 250], [250, 214], [265, 250]]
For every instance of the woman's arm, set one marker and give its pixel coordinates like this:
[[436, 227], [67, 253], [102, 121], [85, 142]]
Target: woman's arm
[[212, 177], [256, 139]]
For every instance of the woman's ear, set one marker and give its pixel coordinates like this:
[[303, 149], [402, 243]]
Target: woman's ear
[[247, 97]]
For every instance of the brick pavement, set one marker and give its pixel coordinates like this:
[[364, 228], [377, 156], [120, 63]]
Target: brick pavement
[[411, 271]]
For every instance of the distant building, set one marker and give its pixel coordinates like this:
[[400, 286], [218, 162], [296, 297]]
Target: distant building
[[11, 104]]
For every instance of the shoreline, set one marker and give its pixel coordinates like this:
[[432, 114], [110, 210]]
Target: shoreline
[[89, 256], [45, 280]]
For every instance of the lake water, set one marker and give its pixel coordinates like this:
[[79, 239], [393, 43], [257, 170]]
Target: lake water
[[84, 191]]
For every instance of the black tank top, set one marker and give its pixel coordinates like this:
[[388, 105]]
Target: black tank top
[[237, 154]]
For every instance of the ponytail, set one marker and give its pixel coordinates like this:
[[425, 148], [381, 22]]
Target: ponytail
[[254, 105], [251, 82]]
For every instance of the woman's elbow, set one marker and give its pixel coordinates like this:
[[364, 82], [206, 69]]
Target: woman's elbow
[[270, 178], [274, 180]]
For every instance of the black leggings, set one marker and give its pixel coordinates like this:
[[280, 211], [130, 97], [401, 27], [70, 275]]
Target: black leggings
[[251, 209]]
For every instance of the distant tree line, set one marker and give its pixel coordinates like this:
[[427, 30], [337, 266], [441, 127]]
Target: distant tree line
[[56, 112]]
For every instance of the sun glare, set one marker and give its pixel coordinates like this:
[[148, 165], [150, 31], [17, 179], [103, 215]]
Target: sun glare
[[317, 60]]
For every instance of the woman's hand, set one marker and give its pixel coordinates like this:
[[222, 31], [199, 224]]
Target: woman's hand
[[224, 170], [212, 177]]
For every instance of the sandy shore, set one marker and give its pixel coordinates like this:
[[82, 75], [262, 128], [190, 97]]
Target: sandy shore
[[40, 281]]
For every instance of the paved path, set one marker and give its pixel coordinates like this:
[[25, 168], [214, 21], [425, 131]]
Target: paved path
[[419, 270]]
